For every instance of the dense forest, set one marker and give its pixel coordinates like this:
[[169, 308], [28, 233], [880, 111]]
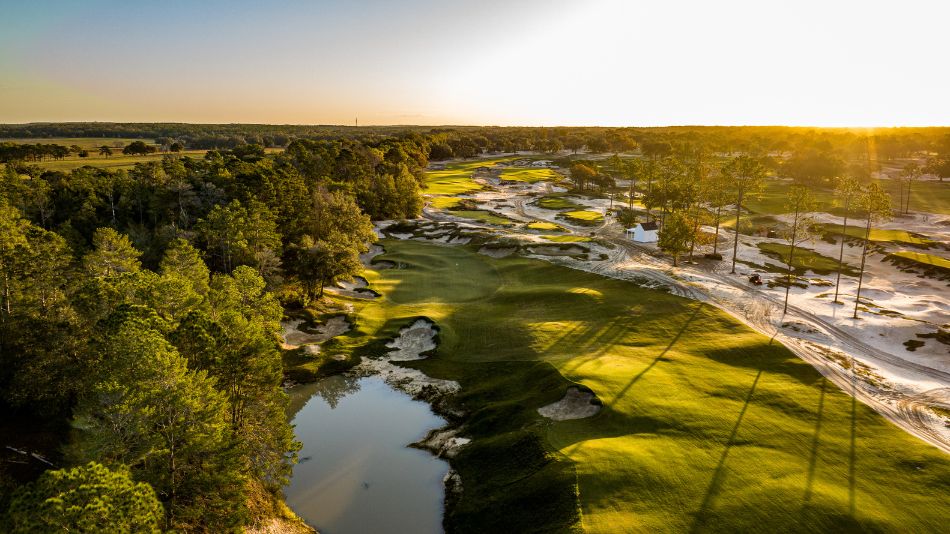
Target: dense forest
[[140, 308], [139, 321]]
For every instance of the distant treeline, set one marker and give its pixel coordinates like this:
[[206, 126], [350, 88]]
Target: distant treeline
[[467, 141], [32, 152]]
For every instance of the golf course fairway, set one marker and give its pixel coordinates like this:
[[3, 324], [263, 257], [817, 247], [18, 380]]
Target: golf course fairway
[[706, 425]]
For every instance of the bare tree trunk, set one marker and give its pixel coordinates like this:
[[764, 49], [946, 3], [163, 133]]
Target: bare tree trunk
[[844, 235], [791, 258], [716, 242], [864, 255], [735, 244]]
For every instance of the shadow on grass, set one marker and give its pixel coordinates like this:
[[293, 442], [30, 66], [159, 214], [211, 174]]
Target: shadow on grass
[[814, 444], [715, 483], [658, 358]]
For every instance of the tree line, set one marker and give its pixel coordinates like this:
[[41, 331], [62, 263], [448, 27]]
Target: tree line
[[142, 310]]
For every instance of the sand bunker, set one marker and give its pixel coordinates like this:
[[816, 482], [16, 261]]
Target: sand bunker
[[294, 337], [356, 289], [367, 257], [413, 340], [576, 404]]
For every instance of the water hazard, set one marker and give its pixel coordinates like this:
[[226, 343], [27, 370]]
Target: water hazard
[[356, 474]]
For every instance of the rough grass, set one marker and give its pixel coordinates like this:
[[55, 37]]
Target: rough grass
[[529, 175], [805, 259], [486, 217], [547, 226], [706, 424], [557, 202]]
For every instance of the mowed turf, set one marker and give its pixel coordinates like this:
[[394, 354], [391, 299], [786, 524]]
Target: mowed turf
[[706, 425], [529, 175], [456, 177]]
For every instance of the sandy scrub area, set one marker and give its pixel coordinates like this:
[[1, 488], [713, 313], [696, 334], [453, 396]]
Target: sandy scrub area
[[866, 357]]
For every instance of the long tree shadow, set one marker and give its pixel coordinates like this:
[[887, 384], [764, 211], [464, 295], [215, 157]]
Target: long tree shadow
[[658, 358], [714, 484], [809, 483], [851, 463], [639, 375]]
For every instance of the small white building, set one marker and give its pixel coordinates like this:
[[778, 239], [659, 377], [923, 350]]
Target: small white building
[[643, 232]]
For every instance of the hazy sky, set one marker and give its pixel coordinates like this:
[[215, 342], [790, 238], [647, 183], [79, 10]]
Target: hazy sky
[[510, 62]]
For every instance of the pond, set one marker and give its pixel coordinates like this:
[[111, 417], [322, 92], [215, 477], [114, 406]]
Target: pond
[[356, 473]]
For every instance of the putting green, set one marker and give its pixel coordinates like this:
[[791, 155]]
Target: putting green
[[706, 424]]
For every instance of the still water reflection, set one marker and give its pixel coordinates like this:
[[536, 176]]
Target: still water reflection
[[356, 474]]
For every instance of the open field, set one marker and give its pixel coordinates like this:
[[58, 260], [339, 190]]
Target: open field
[[706, 425], [925, 196]]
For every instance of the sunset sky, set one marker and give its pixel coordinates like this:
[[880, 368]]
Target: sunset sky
[[511, 62]]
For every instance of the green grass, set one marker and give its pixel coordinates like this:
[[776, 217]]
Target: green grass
[[925, 259], [557, 202], [883, 236], [805, 259], [529, 175], [929, 196], [567, 238], [456, 177], [486, 217], [925, 196], [583, 216], [114, 162], [547, 226], [445, 203], [706, 424]]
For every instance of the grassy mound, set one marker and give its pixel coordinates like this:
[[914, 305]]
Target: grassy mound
[[487, 217], [584, 217], [706, 424], [557, 202]]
